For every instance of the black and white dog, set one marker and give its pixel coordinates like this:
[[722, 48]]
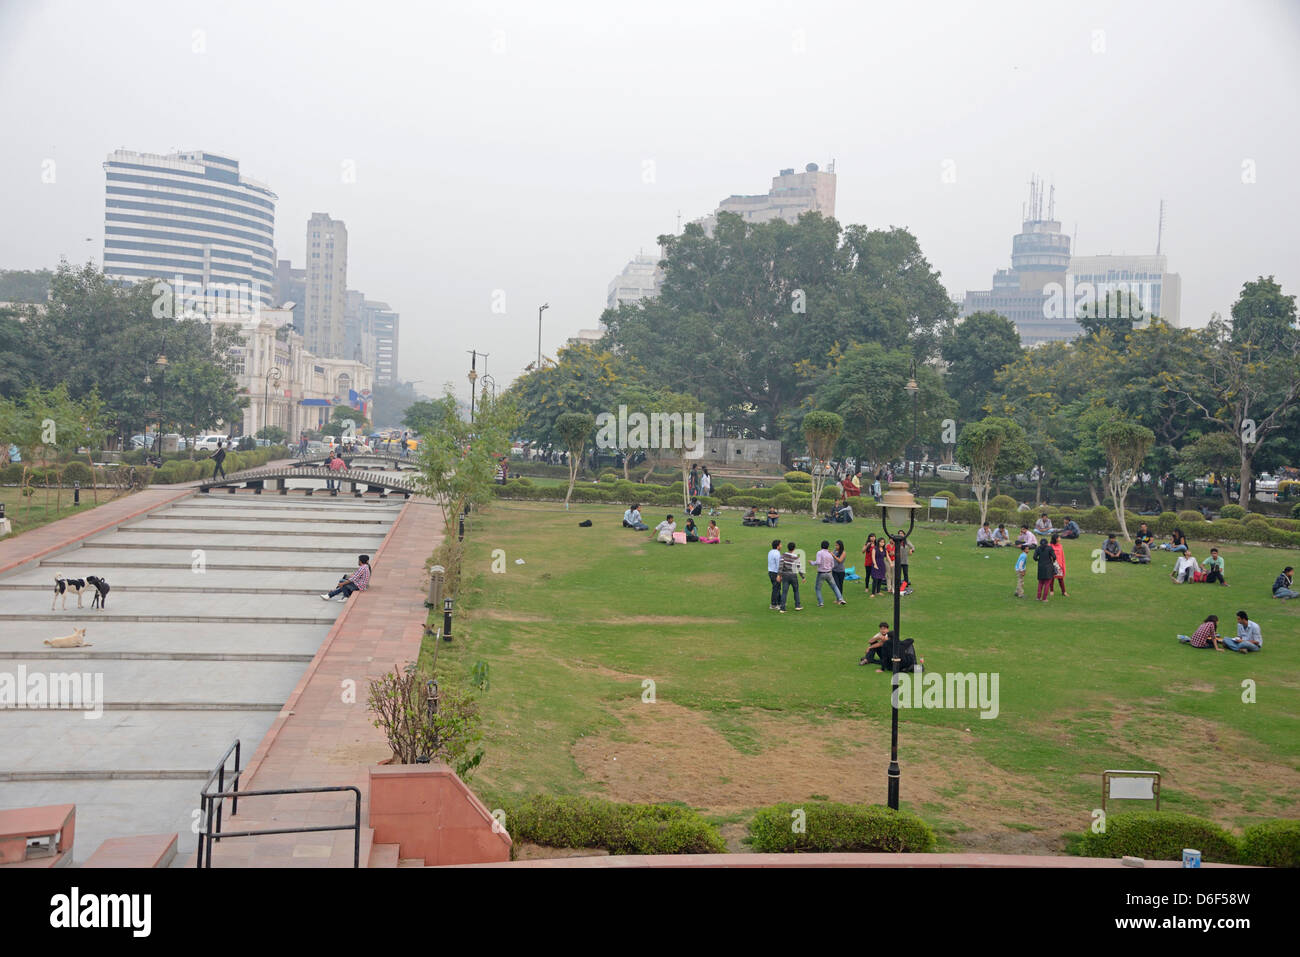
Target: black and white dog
[[64, 585], [100, 598]]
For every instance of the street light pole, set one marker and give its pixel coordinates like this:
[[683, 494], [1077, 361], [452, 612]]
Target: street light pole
[[540, 309], [915, 392], [897, 506], [272, 375]]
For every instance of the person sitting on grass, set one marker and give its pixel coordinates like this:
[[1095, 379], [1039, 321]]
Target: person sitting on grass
[[695, 508], [1214, 569], [632, 519], [1282, 584], [1248, 636], [665, 529], [1144, 534], [1026, 537], [1112, 551], [1141, 553], [1206, 636], [712, 534], [1071, 529], [1177, 542], [359, 580], [874, 645], [984, 537], [1044, 525], [772, 516], [1000, 536], [1185, 569], [692, 533], [750, 519]]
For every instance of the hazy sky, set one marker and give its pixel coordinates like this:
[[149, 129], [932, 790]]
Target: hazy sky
[[507, 146]]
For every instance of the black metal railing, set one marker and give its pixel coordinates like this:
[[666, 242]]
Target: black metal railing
[[211, 803]]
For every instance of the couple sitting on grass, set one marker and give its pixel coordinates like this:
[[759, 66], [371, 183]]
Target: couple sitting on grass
[[666, 532], [1206, 636], [880, 650]]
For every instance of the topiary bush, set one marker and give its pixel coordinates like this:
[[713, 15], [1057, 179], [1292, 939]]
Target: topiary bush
[[1159, 836], [608, 478], [1271, 844], [1003, 501], [618, 828], [1232, 511], [829, 827], [1187, 515], [1295, 510], [799, 478], [1165, 523]]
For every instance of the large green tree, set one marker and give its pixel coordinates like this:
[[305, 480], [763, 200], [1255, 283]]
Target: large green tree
[[976, 349]]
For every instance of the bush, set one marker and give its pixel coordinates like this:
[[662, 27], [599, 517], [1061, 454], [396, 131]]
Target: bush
[[1165, 523], [725, 491], [1253, 519], [1287, 524], [1004, 501], [799, 478], [12, 474], [1295, 510], [77, 472], [1272, 844], [1160, 836], [608, 477], [1187, 515], [522, 482], [832, 827], [618, 828], [1232, 511]]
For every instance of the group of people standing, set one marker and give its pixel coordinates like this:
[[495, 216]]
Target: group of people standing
[[785, 571], [1049, 563], [699, 482], [883, 569]]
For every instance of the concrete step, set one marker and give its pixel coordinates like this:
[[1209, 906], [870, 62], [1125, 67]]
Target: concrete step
[[192, 530], [126, 638], [411, 862], [383, 855], [191, 515], [143, 850]]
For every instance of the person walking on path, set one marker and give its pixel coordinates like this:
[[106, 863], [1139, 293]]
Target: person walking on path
[[791, 573], [359, 580], [774, 573], [1059, 551], [839, 553], [825, 563], [218, 460], [1021, 561], [1045, 559]]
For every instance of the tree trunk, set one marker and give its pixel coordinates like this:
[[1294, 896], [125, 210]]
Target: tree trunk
[[1038, 488], [626, 465], [573, 478]]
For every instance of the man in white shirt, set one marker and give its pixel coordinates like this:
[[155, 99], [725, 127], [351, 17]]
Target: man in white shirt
[[774, 573], [1248, 636], [1000, 536], [665, 530], [984, 537], [632, 519], [1044, 525]]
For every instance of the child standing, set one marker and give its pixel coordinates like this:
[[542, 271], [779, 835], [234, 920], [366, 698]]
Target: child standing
[[1021, 561]]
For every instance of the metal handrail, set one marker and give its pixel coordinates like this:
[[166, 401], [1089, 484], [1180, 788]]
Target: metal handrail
[[208, 798]]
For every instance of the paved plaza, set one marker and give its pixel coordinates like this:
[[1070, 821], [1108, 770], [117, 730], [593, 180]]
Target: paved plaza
[[212, 619]]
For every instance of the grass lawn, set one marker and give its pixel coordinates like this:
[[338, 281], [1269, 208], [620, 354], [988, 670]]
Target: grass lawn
[[751, 707], [22, 520]]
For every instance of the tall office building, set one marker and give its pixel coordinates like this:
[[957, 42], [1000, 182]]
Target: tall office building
[[291, 286], [191, 216], [385, 324], [640, 279], [327, 281], [1146, 279], [792, 194]]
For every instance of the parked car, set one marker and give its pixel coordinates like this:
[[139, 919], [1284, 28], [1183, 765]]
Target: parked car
[[1266, 483], [208, 443], [952, 473]]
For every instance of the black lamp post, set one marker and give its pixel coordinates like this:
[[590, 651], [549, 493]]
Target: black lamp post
[[915, 391], [897, 508]]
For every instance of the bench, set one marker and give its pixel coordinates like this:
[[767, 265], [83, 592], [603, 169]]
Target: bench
[[37, 836]]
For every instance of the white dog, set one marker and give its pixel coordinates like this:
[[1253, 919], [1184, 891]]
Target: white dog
[[75, 640]]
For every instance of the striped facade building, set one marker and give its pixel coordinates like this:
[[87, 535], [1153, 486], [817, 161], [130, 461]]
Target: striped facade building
[[189, 217]]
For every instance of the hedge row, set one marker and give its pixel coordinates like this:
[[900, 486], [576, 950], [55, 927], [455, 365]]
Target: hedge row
[[187, 470], [618, 828], [820, 826], [1162, 836]]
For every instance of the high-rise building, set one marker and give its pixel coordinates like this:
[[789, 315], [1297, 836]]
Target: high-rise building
[[792, 194], [640, 279], [189, 217], [385, 323], [327, 280], [291, 286], [1146, 279]]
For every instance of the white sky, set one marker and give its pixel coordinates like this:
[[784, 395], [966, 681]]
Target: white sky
[[501, 146]]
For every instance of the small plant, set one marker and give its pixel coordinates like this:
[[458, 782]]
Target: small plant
[[424, 723]]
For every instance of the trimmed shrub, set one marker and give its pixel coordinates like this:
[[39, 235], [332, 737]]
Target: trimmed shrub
[[12, 473], [1287, 524], [799, 478], [1295, 510], [1254, 519], [77, 472], [618, 828], [522, 481], [725, 491], [1160, 836], [607, 477], [1187, 515], [830, 827], [1232, 511], [1003, 501], [1271, 844], [1165, 523]]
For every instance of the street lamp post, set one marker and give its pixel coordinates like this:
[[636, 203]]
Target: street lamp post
[[540, 309], [914, 390], [897, 507], [272, 375]]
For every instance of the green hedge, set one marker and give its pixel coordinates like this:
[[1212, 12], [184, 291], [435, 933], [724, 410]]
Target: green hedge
[[1232, 511], [829, 827], [1272, 844], [618, 828], [1159, 836], [798, 478]]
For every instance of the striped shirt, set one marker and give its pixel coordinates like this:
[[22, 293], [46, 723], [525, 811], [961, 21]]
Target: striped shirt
[[789, 564], [361, 577]]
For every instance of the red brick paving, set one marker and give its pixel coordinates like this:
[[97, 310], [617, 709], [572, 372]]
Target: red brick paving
[[319, 739]]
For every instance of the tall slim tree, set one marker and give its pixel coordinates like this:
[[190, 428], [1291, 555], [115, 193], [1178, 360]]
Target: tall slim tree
[[1126, 444], [575, 431], [821, 430]]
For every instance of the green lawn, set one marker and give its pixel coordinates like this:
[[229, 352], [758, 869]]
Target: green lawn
[[752, 707], [22, 519]]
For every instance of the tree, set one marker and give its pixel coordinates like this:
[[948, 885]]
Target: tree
[[976, 349], [1116, 315], [1126, 444], [273, 434], [345, 422], [821, 431], [586, 378], [992, 447], [1263, 316], [1214, 452], [574, 429], [458, 461], [198, 395]]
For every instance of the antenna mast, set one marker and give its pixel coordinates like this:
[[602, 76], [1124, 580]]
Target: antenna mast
[[1160, 231]]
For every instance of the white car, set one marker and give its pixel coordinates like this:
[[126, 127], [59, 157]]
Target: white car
[[208, 443], [1266, 483], [953, 473]]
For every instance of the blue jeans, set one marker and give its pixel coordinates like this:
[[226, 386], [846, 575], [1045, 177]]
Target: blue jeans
[[786, 584], [1286, 593], [1238, 644], [346, 589], [817, 587]]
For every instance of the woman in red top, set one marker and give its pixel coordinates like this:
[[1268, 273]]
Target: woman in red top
[[1206, 636], [1059, 549], [868, 561]]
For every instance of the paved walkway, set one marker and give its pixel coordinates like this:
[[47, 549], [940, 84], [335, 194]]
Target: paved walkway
[[324, 736]]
